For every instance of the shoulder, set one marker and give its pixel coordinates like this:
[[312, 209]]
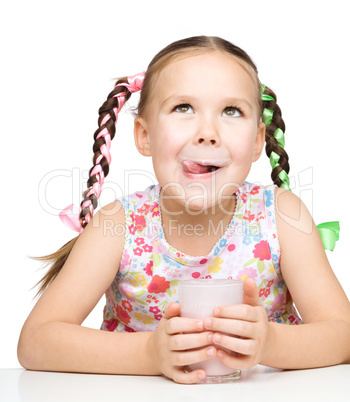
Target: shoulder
[[101, 243], [292, 215], [299, 238], [109, 216]]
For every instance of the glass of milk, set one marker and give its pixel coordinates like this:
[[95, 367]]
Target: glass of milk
[[198, 298]]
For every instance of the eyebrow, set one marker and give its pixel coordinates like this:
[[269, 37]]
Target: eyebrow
[[188, 99]]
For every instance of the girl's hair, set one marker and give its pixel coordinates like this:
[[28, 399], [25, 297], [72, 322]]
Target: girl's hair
[[121, 93]]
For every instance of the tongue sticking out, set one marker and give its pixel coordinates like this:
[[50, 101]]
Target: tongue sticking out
[[195, 168]]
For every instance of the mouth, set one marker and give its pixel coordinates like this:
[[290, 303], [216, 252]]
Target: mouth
[[203, 168], [196, 168]]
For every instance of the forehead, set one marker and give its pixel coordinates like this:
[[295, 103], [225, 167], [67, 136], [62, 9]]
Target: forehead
[[211, 73]]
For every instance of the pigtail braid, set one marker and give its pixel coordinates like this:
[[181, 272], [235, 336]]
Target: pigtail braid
[[70, 216], [275, 128], [108, 116]]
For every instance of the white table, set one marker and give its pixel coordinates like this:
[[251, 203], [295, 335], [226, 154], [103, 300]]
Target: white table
[[331, 384]]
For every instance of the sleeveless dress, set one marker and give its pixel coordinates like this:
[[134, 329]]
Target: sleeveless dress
[[150, 268]]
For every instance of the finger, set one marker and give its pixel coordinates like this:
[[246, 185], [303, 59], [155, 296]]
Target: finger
[[239, 312], [193, 356], [250, 293], [171, 310], [239, 362], [183, 377], [190, 341], [245, 329], [181, 324], [238, 345]]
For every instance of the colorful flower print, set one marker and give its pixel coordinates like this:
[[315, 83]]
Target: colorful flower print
[[255, 190], [128, 329], [171, 262], [149, 268], [262, 250], [147, 248], [154, 310], [155, 210], [139, 221], [138, 251], [146, 319], [123, 315], [148, 276], [269, 198], [245, 273], [144, 209], [112, 324], [222, 242], [139, 241], [215, 266], [128, 291], [248, 216], [158, 284], [126, 305], [278, 302]]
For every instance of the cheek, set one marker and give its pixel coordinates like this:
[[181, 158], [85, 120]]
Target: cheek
[[242, 141], [169, 138]]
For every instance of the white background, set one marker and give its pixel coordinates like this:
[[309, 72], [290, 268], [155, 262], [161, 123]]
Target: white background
[[58, 64]]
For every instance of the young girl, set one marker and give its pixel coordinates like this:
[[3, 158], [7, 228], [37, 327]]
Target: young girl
[[204, 117]]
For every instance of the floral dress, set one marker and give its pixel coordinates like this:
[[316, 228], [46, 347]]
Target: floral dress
[[150, 268]]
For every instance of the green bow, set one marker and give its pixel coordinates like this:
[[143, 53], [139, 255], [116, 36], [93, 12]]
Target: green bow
[[329, 233]]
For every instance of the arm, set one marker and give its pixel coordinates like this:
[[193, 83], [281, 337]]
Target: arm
[[52, 338], [324, 338]]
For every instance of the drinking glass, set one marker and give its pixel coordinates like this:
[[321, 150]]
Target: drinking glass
[[198, 298]]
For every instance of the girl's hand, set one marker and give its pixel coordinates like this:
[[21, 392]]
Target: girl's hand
[[243, 329], [174, 346]]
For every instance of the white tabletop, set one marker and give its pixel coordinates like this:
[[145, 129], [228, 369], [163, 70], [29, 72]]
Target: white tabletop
[[257, 384]]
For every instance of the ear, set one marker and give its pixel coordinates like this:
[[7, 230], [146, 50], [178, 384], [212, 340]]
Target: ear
[[259, 141], [141, 136]]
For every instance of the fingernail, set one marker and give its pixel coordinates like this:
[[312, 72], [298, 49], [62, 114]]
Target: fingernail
[[210, 337], [210, 352], [207, 322], [220, 354], [216, 338], [200, 324], [200, 376], [216, 311]]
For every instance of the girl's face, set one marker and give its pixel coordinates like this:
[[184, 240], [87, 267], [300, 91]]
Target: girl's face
[[203, 111]]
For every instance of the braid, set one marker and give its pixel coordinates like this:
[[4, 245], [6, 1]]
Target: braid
[[275, 128], [108, 116]]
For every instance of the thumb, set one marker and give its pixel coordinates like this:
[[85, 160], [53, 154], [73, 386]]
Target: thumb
[[250, 293], [171, 310]]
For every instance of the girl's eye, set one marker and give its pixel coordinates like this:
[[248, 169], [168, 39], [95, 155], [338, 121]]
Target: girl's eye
[[184, 108], [231, 111]]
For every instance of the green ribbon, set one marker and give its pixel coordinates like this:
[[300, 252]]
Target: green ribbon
[[329, 233], [267, 116], [279, 135]]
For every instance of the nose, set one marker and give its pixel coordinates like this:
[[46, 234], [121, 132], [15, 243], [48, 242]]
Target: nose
[[207, 133]]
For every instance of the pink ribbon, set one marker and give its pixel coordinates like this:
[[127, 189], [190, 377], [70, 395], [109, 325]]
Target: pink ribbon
[[135, 82], [70, 215]]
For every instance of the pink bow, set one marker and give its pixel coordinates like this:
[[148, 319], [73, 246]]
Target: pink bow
[[70, 217], [135, 82]]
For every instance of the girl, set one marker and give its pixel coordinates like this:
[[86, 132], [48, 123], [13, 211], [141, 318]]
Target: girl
[[204, 117]]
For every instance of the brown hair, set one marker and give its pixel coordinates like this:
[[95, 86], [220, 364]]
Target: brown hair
[[181, 48]]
